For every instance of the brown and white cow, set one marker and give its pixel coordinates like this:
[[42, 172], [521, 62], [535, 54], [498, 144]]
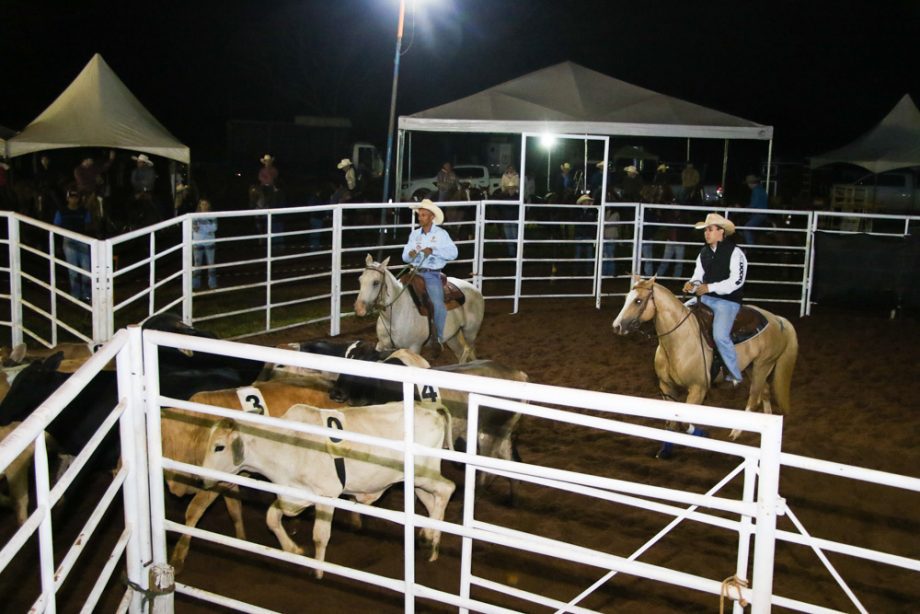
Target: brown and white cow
[[330, 467], [185, 435]]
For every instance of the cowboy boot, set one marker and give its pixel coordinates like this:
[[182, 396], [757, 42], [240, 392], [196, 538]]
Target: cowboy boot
[[432, 342]]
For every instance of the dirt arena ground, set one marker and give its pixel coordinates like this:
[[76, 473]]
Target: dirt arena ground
[[854, 403]]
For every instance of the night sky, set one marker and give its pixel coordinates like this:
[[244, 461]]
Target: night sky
[[821, 72]]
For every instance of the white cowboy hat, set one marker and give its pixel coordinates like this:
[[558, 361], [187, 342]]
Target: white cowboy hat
[[266, 158], [430, 206], [600, 164], [143, 158], [714, 219], [584, 199], [631, 170], [344, 163], [565, 166], [662, 168]]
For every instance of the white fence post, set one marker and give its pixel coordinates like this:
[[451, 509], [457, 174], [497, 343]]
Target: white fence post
[[335, 304], [768, 507], [15, 280], [187, 264]]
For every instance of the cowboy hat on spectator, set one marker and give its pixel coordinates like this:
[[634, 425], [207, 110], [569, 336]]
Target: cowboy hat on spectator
[[632, 170], [714, 219], [430, 206], [143, 159], [267, 158], [345, 163]]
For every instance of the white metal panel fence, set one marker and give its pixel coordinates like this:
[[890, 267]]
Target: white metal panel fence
[[286, 267], [751, 517]]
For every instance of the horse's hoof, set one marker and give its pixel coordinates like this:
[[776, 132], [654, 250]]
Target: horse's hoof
[[665, 451]]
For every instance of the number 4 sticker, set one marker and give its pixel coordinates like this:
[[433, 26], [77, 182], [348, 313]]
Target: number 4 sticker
[[428, 393]]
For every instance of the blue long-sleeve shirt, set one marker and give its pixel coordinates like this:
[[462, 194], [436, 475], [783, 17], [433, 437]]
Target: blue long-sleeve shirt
[[442, 247]]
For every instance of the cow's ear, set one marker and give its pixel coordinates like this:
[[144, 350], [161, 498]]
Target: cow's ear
[[237, 448], [369, 260]]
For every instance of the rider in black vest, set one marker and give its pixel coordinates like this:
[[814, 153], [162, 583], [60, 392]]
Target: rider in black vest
[[718, 281]]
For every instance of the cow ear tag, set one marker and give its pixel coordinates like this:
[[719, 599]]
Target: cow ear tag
[[252, 401]]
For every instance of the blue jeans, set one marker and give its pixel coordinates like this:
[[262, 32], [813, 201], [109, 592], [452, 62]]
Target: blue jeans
[[436, 293], [204, 255], [724, 312], [672, 251], [646, 259], [511, 235], [77, 254], [609, 267], [758, 219]]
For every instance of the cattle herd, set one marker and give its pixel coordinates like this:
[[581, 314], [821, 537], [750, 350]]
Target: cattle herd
[[323, 466]]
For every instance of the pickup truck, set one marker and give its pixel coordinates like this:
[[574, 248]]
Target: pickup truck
[[889, 192], [475, 176]]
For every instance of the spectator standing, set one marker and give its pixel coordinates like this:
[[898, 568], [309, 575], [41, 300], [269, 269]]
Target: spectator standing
[[565, 184], [447, 182], [510, 190], [585, 233], [143, 176], [48, 182], [631, 185], [759, 202], [204, 230], [611, 235], [268, 179], [346, 190], [6, 194], [89, 175], [510, 183], [75, 218], [689, 185]]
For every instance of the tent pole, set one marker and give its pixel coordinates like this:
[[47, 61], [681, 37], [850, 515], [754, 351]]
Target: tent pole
[[584, 173], [400, 148], [687, 159], [769, 164], [724, 163]]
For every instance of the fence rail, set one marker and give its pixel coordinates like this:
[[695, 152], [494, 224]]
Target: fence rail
[[280, 268]]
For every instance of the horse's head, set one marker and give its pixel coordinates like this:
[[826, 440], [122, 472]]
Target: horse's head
[[639, 306], [371, 284]]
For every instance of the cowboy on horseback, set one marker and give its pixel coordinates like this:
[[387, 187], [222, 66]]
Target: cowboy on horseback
[[429, 248], [718, 281]]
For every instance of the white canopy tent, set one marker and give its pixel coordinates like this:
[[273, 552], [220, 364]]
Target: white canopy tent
[[893, 143], [568, 98], [98, 110]]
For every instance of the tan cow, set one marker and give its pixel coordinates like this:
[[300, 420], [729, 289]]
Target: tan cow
[[329, 466], [185, 436]]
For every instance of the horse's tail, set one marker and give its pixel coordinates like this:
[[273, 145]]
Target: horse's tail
[[785, 364]]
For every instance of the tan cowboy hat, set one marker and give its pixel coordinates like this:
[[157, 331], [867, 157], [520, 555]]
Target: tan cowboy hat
[[662, 168], [430, 206], [267, 158], [600, 164], [584, 199], [344, 163], [143, 159], [632, 170], [565, 166], [714, 219]]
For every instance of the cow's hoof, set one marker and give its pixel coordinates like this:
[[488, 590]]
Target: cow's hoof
[[665, 451]]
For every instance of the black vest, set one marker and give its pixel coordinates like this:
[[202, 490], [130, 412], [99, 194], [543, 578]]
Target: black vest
[[716, 268]]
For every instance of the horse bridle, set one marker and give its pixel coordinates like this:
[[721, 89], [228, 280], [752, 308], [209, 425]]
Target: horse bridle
[[651, 299]]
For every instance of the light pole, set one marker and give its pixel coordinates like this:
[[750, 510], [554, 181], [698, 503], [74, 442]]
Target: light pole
[[399, 34]]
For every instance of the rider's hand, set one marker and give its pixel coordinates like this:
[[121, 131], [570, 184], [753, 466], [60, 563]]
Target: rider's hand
[[427, 251], [702, 289], [412, 253], [688, 287]]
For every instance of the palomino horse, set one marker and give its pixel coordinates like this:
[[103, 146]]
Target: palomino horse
[[400, 325], [683, 358]]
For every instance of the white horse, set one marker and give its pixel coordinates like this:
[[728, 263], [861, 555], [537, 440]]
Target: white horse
[[400, 325]]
